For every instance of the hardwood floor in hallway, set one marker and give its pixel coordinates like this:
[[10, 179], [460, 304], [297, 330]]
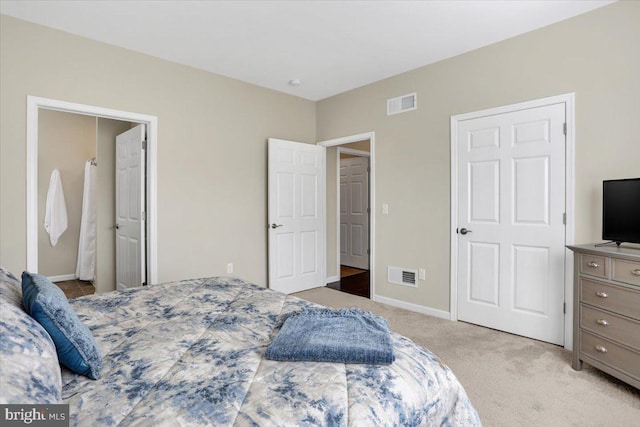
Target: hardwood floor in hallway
[[352, 281]]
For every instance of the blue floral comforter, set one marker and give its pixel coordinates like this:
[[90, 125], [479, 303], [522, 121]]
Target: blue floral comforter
[[191, 353]]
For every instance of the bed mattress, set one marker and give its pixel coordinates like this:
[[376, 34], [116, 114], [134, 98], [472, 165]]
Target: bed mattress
[[191, 353]]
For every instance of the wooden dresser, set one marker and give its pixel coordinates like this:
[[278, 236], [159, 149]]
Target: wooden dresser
[[606, 319]]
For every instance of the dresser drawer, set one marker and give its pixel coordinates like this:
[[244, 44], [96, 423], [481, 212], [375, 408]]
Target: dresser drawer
[[610, 326], [594, 265], [610, 297], [626, 271], [610, 354]]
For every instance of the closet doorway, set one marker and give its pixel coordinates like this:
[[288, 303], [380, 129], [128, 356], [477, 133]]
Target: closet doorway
[[349, 211], [73, 169]]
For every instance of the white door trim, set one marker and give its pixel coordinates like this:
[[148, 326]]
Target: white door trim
[[569, 101], [371, 136], [34, 103]]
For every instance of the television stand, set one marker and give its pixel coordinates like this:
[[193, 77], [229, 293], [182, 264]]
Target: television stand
[[597, 245], [606, 314]]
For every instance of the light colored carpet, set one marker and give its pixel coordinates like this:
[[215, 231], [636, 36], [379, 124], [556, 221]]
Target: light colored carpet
[[511, 380]]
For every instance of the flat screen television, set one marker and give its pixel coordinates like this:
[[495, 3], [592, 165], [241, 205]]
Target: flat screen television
[[621, 210]]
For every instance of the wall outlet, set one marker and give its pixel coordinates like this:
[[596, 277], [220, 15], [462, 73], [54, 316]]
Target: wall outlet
[[230, 268], [422, 274], [385, 209]]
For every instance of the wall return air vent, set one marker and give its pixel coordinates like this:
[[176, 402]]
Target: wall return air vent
[[402, 276], [402, 104]]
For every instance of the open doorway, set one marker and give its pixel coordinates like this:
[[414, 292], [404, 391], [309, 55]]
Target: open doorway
[[76, 197], [350, 217], [96, 145]]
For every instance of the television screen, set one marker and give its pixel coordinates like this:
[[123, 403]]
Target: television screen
[[621, 210]]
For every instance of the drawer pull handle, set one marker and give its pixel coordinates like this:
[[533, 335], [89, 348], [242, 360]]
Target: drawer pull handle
[[592, 264], [601, 349], [636, 272], [602, 294], [602, 322]]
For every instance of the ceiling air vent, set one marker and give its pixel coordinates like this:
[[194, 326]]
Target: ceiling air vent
[[402, 276], [402, 104]]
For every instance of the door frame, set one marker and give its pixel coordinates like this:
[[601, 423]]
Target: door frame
[[34, 104], [358, 153], [569, 100], [371, 136]]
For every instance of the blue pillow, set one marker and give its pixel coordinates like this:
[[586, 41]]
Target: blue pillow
[[76, 347]]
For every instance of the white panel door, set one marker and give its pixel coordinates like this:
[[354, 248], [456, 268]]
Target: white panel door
[[130, 205], [354, 212], [511, 237], [296, 215]]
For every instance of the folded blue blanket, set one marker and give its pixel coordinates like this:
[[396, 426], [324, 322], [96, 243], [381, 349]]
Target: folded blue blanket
[[324, 335]]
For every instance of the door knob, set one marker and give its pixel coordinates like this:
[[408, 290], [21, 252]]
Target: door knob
[[464, 231], [276, 225], [117, 227]]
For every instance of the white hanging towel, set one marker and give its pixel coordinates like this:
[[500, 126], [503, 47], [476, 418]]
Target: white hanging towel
[[55, 216], [86, 267]]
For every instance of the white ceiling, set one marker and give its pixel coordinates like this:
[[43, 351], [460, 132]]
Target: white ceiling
[[331, 46]]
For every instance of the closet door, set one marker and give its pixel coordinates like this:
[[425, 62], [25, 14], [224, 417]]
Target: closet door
[[511, 233]]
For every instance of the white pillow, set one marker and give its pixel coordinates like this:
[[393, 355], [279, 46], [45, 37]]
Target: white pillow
[[29, 372]]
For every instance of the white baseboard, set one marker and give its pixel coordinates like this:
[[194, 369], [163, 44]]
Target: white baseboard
[[332, 279], [413, 307], [62, 278]]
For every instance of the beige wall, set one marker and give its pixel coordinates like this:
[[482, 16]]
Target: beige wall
[[359, 145], [65, 142], [212, 153], [332, 203], [106, 207], [595, 55]]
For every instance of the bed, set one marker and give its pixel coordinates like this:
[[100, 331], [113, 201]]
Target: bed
[[191, 353]]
